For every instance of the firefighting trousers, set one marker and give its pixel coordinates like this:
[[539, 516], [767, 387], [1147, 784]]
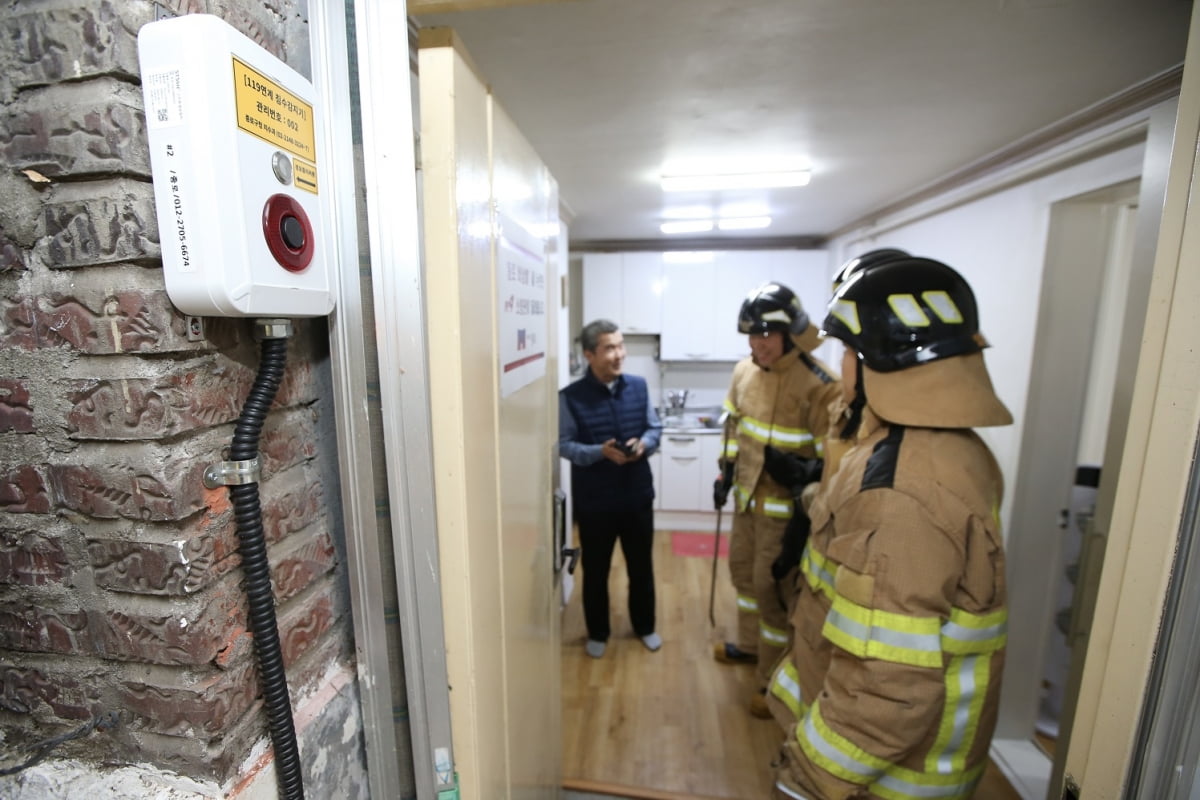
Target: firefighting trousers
[[762, 612]]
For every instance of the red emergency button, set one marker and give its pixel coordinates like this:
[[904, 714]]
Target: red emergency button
[[289, 233]]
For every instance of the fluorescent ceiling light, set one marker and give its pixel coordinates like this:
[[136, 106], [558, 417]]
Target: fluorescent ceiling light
[[687, 226], [743, 223], [735, 180]]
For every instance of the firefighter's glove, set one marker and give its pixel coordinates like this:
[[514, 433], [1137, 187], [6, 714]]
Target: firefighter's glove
[[722, 485], [795, 536], [791, 471]]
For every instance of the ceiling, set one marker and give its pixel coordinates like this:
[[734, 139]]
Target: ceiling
[[881, 99]]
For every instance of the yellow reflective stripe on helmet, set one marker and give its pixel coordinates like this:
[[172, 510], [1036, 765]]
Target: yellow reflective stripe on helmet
[[835, 753], [943, 305], [778, 435], [847, 312], [773, 636], [966, 633], [871, 633], [967, 679], [747, 603], [785, 684], [908, 310], [818, 571]]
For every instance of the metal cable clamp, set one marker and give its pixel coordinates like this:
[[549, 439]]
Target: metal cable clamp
[[231, 473]]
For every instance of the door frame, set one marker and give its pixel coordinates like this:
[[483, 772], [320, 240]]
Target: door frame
[[1153, 486], [386, 97]]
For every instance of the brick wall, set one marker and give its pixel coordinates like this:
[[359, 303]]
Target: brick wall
[[119, 580]]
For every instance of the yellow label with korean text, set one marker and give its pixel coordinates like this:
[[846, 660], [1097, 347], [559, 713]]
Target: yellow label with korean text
[[267, 110]]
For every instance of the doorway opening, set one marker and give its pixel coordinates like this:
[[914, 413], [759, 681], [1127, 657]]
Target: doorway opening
[[1054, 547]]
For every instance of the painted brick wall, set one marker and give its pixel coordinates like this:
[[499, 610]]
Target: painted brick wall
[[119, 580]]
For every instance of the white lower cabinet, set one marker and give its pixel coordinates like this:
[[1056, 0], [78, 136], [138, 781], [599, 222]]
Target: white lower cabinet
[[687, 470], [681, 470]]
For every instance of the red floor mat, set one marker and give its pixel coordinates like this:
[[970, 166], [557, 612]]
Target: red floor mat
[[697, 543]]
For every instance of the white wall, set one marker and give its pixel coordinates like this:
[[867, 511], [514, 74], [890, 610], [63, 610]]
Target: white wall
[[998, 242]]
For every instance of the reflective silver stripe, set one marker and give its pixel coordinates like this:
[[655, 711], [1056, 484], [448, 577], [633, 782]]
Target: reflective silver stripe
[[962, 633], [772, 635], [897, 786], [788, 684], [830, 752], [966, 691], [927, 643], [781, 436], [746, 603], [779, 785]]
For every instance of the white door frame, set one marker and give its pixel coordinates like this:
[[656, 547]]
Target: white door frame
[[1154, 484]]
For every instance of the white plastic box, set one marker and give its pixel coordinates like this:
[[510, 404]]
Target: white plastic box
[[237, 173]]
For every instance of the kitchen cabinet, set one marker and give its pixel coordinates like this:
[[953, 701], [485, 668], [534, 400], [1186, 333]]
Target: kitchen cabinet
[[687, 471], [687, 312], [681, 470], [625, 288], [700, 301]]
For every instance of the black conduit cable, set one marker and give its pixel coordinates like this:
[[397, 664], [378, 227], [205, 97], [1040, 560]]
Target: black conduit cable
[[257, 573]]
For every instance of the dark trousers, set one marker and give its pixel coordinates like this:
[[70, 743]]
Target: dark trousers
[[598, 533]]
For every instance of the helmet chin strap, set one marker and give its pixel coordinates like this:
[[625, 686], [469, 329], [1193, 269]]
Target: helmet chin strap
[[788, 344], [854, 419]]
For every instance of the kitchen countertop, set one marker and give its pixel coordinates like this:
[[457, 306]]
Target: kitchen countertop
[[691, 431]]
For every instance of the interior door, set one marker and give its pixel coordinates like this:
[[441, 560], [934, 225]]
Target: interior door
[[491, 231]]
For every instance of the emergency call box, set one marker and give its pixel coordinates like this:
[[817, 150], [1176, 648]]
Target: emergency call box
[[236, 171]]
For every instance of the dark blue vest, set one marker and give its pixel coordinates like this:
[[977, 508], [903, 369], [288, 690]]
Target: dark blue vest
[[601, 415]]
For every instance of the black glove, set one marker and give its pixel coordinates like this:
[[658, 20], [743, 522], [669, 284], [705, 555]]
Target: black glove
[[791, 471], [795, 536], [722, 485]]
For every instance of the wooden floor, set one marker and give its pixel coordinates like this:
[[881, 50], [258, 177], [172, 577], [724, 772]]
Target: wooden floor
[[671, 724]]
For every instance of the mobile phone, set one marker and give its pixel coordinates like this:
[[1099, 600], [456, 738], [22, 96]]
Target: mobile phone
[[626, 449]]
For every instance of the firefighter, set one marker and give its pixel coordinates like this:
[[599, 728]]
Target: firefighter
[[800, 475], [778, 396], [900, 625]]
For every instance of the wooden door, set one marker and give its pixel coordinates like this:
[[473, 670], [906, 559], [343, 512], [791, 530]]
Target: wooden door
[[491, 228]]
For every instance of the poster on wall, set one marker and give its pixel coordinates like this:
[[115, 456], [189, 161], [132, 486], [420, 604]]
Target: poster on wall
[[521, 293]]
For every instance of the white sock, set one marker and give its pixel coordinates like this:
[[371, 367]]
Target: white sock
[[652, 641]]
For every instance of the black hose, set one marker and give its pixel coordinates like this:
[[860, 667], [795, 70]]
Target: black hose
[[255, 567]]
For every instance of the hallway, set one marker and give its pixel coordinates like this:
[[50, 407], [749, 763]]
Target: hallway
[[672, 724]]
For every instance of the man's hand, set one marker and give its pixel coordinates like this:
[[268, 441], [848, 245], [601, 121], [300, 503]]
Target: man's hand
[[623, 452], [791, 471], [722, 485]]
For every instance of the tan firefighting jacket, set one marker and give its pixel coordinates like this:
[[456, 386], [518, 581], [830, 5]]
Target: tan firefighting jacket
[[901, 624], [786, 406]]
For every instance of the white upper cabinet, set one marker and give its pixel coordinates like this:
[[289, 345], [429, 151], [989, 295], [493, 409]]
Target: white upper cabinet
[[687, 312], [694, 306], [625, 288]]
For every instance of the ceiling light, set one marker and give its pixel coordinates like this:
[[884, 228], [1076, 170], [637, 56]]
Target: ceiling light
[[735, 180], [687, 226], [743, 223]]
